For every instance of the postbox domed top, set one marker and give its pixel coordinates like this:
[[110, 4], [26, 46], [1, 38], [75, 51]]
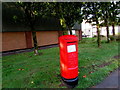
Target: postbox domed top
[[69, 37]]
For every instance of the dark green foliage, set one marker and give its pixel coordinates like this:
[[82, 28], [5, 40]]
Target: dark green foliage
[[92, 13], [113, 13], [68, 13], [105, 16], [110, 10]]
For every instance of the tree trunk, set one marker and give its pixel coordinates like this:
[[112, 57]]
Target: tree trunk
[[108, 37], [35, 43], [98, 34], [80, 35], [113, 29], [31, 20], [70, 30], [98, 37]]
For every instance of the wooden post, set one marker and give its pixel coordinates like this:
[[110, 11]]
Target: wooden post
[[60, 33], [80, 35], [28, 36]]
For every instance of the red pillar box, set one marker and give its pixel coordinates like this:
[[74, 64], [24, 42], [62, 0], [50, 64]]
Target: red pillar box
[[69, 59]]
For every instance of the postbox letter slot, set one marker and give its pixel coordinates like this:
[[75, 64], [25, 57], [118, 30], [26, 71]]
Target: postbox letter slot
[[71, 42]]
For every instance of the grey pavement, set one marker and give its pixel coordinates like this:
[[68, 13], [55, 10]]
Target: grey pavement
[[112, 81]]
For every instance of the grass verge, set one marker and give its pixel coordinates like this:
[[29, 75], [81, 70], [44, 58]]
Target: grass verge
[[28, 71]]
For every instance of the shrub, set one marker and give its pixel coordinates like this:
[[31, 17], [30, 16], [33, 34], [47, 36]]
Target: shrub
[[117, 37], [102, 35], [112, 38], [88, 40], [95, 36]]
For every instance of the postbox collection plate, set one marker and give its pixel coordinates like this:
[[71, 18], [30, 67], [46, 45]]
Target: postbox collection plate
[[71, 48]]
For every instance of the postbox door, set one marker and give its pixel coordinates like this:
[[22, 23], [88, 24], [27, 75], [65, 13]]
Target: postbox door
[[72, 63]]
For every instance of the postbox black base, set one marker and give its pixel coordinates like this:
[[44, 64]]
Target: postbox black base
[[71, 83]]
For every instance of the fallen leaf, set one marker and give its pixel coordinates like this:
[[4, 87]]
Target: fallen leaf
[[84, 76], [90, 72], [20, 69]]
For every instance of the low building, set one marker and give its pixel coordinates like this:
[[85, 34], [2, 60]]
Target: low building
[[17, 35], [90, 31]]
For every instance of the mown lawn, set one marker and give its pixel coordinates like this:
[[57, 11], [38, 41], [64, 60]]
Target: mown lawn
[[28, 71]]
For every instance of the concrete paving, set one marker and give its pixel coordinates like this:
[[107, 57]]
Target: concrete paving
[[112, 81]]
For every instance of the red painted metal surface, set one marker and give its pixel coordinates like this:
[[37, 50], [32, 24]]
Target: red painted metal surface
[[68, 56]]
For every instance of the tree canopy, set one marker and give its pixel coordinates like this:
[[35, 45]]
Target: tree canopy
[[68, 13], [92, 13]]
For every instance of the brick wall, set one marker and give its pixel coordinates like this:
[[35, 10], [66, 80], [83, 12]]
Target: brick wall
[[13, 40], [47, 37], [22, 40]]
